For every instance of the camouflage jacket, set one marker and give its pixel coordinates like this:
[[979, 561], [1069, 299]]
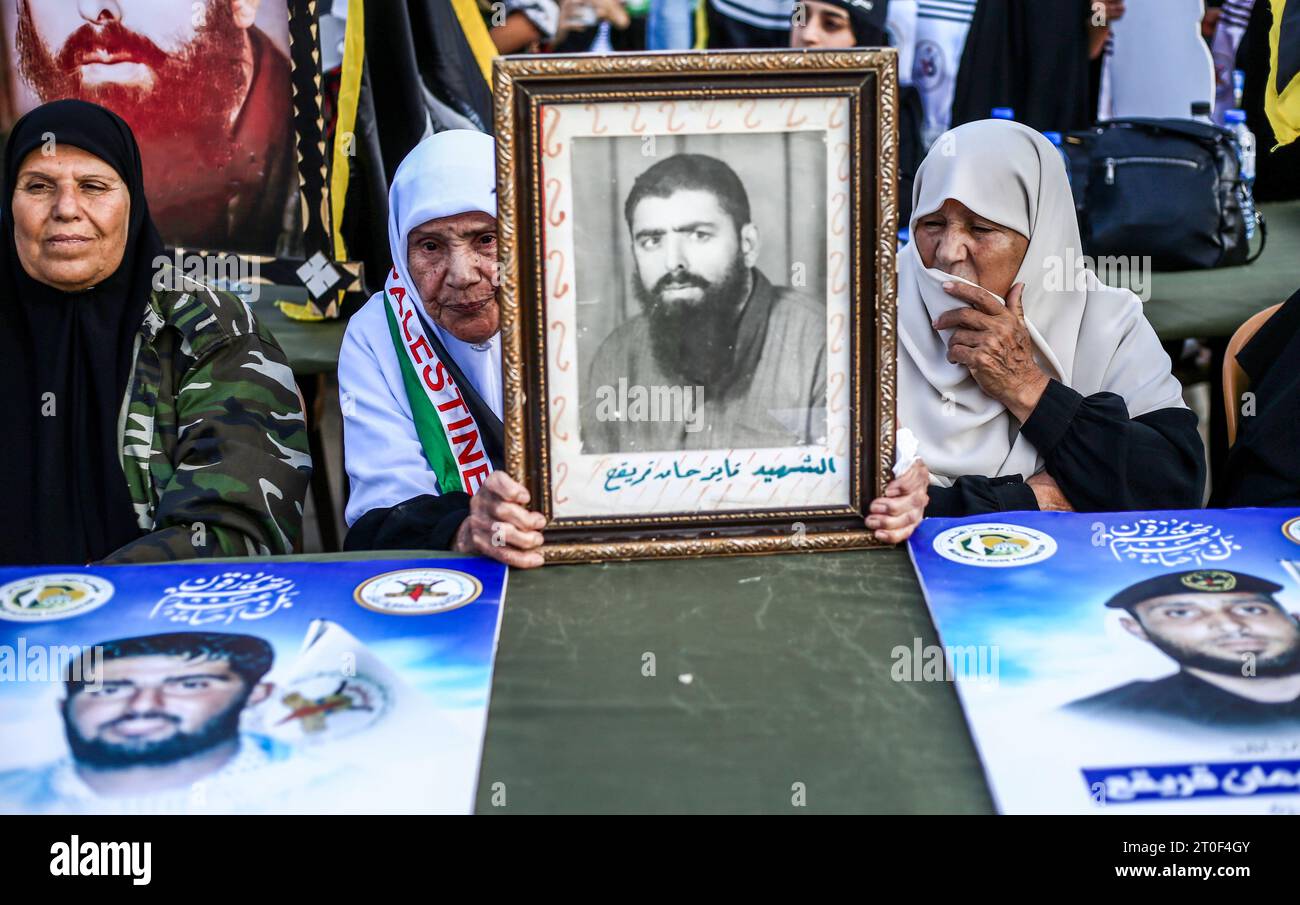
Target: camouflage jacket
[[212, 435]]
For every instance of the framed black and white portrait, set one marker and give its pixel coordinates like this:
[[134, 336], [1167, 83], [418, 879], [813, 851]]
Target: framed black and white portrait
[[698, 297]]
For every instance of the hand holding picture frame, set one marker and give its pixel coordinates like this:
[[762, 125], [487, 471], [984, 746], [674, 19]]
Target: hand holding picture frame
[[697, 294]]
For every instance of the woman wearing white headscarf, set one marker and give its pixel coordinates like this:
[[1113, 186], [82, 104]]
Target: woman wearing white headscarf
[[1027, 385], [420, 371]]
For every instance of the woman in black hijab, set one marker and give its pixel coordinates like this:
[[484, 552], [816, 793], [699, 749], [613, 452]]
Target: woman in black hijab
[[79, 257]]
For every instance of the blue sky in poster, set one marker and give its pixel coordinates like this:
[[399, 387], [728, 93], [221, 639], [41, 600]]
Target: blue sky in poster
[[405, 736], [1048, 618], [448, 655]]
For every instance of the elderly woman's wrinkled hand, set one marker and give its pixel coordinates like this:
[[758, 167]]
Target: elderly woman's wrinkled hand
[[895, 515], [993, 342], [500, 527]]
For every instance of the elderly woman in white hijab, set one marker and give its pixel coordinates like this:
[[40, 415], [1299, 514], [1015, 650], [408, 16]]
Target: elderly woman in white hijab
[[1028, 387], [420, 372]]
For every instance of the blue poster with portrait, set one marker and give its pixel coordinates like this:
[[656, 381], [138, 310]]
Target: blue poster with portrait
[[1121, 663], [256, 687]]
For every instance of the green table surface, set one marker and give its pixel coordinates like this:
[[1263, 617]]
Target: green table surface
[[789, 660], [1196, 303], [1212, 304]]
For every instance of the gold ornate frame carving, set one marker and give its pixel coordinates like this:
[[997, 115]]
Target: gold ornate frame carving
[[868, 79]]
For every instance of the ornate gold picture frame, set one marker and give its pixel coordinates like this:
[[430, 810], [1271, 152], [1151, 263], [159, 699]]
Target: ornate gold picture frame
[[697, 293]]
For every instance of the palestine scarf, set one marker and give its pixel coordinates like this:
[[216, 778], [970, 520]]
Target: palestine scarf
[[449, 173]]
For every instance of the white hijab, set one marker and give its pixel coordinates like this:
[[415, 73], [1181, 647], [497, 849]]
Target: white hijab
[[448, 173], [1089, 337]]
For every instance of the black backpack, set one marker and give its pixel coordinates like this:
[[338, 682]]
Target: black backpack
[[1165, 188]]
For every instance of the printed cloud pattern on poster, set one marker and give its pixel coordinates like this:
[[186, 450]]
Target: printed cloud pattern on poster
[[271, 688]]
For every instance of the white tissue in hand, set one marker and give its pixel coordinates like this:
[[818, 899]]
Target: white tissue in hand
[[906, 447]]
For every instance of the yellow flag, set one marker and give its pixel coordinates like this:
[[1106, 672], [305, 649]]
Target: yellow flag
[[476, 33], [1282, 98]]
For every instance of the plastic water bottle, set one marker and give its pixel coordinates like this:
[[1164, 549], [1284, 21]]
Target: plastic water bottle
[[1235, 121], [1201, 112], [602, 43], [1004, 113], [1055, 139]]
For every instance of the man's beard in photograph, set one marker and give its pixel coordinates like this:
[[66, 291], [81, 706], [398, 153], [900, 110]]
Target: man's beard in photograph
[[95, 752], [695, 341], [1286, 663], [192, 94]]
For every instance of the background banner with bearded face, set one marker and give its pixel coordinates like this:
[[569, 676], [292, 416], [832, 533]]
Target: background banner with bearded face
[[1183, 698], [206, 88]]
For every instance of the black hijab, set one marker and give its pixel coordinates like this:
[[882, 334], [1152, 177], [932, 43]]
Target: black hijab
[[1032, 57], [65, 361], [867, 19]]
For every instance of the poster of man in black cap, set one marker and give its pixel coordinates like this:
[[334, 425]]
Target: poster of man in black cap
[[1141, 662], [1236, 647]]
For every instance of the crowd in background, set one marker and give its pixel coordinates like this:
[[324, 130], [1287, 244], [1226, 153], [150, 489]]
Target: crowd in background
[[178, 429], [1050, 61]]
